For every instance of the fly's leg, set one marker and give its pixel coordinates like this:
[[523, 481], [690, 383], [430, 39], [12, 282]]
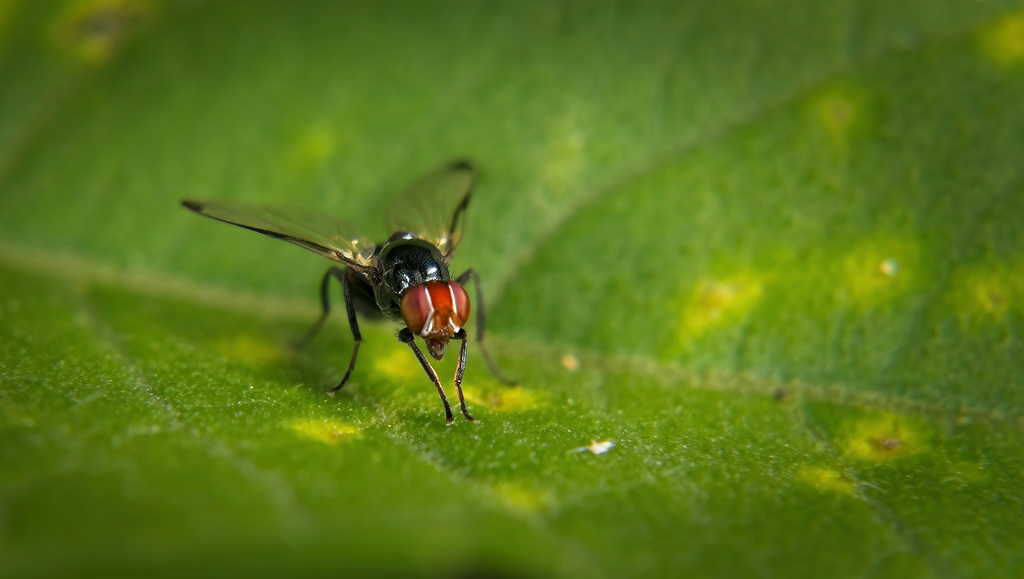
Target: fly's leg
[[480, 325], [460, 371], [325, 302], [405, 336], [353, 324], [325, 305]]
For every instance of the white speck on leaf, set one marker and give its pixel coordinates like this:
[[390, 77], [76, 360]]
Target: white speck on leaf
[[596, 447], [889, 267]]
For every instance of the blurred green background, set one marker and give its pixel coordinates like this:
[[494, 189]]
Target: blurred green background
[[772, 252]]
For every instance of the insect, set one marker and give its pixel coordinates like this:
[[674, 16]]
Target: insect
[[406, 278]]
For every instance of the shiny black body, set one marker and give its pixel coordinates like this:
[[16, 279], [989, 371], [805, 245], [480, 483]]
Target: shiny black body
[[403, 262]]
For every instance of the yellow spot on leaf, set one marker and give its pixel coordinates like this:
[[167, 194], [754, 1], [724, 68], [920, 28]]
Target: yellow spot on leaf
[[570, 362], [7, 11], [564, 157], [877, 270], [251, 349], [825, 479], [504, 398], [715, 303], [95, 30], [986, 292], [839, 109], [889, 267], [398, 364], [325, 430], [520, 498], [990, 295], [886, 436], [1004, 42], [314, 148]]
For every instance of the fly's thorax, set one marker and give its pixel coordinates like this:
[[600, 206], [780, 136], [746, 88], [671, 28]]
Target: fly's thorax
[[436, 311], [404, 263]]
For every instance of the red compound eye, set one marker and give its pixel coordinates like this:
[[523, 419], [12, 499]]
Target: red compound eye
[[460, 313], [416, 308], [435, 309]]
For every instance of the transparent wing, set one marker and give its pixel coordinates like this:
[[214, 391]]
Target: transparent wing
[[332, 239], [435, 206]]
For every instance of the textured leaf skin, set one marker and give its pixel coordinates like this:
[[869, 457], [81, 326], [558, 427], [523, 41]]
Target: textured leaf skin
[[772, 252]]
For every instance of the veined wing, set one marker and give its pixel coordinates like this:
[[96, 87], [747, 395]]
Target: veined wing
[[434, 208], [332, 239]]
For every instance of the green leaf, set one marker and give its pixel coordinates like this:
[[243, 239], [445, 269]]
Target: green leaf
[[771, 253]]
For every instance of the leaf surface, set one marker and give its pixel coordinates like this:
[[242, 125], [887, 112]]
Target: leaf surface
[[772, 254]]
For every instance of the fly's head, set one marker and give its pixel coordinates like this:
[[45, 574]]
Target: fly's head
[[436, 311]]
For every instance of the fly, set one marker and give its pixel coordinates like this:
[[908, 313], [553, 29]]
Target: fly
[[405, 278]]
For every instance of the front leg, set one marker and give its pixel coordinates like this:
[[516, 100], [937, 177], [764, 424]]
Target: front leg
[[405, 336]]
